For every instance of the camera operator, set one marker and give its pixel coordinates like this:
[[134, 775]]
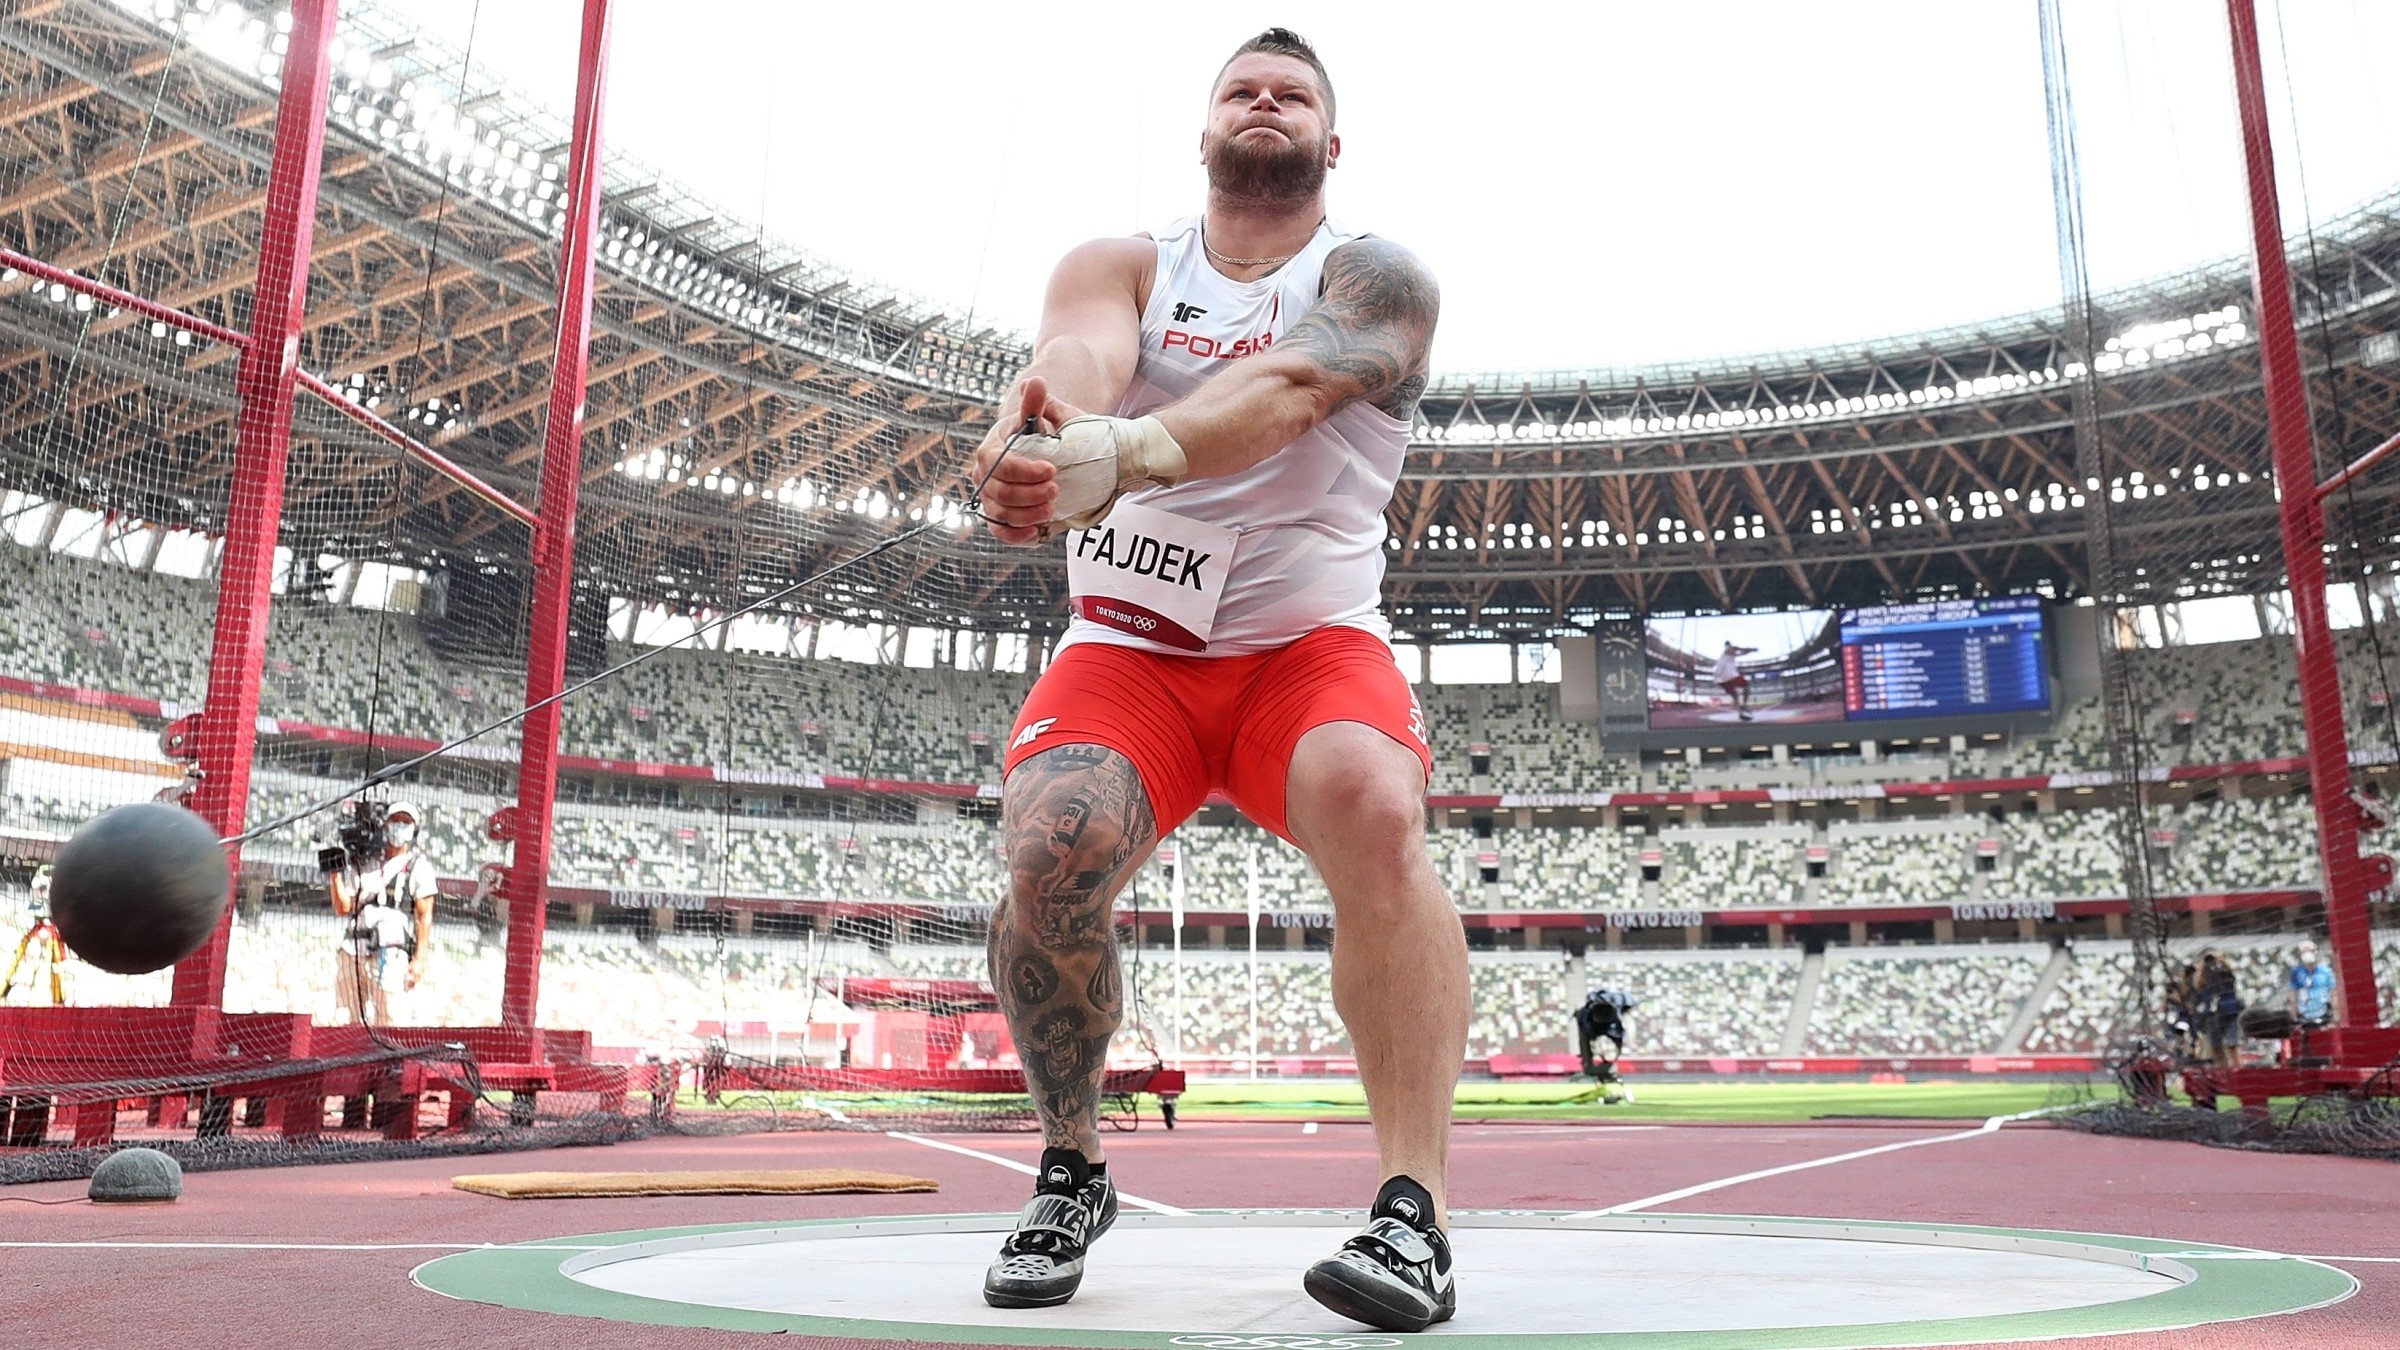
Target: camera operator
[[385, 887], [1602, 1018]]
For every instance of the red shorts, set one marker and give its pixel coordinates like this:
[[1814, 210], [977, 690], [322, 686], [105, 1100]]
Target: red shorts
[[1191, 724]]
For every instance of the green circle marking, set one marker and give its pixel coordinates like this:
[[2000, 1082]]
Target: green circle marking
[[2214, 1284]]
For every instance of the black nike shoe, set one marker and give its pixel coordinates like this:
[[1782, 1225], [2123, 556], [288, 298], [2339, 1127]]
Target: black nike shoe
[[1395, 1276], [1041, 1263]]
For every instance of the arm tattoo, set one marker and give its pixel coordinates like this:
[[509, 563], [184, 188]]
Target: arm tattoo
[[1077, 823], [1371, 332]]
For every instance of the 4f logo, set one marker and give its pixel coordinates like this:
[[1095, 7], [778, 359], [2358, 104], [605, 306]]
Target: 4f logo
[[1033, 732], [1185, 311]]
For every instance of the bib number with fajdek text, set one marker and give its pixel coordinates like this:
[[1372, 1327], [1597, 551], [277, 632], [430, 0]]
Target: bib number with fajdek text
[[1151, 573]]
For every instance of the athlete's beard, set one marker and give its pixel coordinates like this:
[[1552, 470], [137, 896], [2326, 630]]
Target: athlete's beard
[[1266, 171]]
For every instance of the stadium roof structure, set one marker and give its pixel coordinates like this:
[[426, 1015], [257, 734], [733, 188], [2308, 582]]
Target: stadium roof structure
[[1925, 465]]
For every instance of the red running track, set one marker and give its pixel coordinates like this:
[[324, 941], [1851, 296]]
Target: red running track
[[2023, 1176]]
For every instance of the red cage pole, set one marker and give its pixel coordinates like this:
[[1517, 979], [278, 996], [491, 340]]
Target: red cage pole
[[554, 535], [267, 382], [2295, 458]]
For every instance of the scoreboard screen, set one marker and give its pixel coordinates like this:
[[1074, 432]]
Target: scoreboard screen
[[1944, 658]]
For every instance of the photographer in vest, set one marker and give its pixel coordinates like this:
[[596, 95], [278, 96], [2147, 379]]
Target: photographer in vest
[[1211, 428], [389, 903]]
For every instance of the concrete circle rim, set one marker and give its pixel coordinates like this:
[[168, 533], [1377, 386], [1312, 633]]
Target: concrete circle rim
[[2213, 1283]]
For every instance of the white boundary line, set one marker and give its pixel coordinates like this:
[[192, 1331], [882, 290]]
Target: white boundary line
[[1667, 1197], [1027, 1168]]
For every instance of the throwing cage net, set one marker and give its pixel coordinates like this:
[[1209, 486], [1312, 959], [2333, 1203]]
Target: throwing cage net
[[771, 844], [2204, 669]]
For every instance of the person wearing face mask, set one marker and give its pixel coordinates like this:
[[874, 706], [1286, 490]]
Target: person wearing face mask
[[390, 908], [2308, 989]]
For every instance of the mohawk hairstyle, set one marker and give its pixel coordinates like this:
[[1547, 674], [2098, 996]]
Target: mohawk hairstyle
[[1285, 42]]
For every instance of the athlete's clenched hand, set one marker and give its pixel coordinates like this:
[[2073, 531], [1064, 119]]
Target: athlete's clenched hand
[[1017, 491], [1044, 482], [1099, 459]]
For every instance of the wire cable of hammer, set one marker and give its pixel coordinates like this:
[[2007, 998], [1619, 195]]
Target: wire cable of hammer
[[416, 361], [402, 767]]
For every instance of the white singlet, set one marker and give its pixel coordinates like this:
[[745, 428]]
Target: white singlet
[[1729, 667], [1309, 518]]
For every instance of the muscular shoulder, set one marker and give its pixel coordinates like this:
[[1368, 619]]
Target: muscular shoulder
[[1378, 270], [1110, 264], [1118, 251], [1372, 328]]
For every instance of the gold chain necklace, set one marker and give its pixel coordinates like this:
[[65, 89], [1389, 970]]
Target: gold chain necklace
[[1254, 262]]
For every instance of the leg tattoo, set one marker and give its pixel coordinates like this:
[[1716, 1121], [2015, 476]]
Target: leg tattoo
[[1077, 822]]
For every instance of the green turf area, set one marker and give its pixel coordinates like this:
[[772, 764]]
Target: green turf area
[[1662, 1102], [1744, 1100]]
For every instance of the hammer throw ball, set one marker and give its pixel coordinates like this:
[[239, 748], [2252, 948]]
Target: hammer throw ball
[[140, 888]]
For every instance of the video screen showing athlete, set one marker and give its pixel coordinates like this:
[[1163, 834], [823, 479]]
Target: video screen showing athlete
[[1729, 677], [1214, 419], [1724, 670]]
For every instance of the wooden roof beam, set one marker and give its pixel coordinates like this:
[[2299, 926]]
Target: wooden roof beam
[[500, 414], [916, 448], [1420, 515], [654, 400], [1616, 500], [1487, 516], [740, 404], [843, 444], [1773, 515], [46, 412], [1858, 524], [1934, 515], [67, 92], [369, 359], [35, 192], [1687, 501]]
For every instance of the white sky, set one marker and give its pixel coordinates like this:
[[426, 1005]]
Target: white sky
[[1598, 183]]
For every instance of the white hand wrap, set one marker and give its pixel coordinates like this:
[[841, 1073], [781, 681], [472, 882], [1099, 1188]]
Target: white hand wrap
[[1099, 459]]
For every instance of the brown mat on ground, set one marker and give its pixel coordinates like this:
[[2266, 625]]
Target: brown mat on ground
[[811, 1181]]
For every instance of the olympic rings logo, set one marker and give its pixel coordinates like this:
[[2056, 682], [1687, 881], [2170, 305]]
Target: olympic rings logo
[[1285, 1342], [1140, 622]]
